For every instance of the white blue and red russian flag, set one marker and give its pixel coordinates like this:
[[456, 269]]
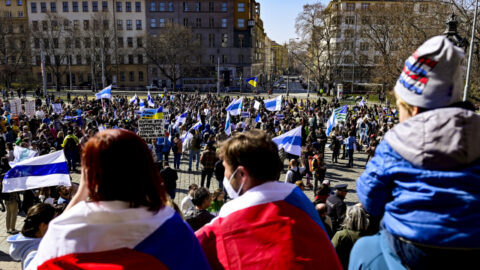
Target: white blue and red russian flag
[[110, 235], [274, 226]]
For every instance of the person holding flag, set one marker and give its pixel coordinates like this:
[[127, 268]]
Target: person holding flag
[[252, 81], [114, 223], [267, 224]]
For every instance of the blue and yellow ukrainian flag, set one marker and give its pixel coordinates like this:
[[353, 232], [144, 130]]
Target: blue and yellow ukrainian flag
[[252, 81], [153, 113]]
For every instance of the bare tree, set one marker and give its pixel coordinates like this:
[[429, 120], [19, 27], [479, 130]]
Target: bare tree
[[174, 51], [13, 49], [49, 38]]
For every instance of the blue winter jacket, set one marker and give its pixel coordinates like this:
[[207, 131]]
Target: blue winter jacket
[[425, 179]]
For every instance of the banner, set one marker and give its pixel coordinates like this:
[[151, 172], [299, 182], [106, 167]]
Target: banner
[[151, 128], [30, 108], [15, 106], [57, 108]]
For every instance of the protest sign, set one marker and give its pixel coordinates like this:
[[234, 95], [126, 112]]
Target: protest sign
[[151, 128], [30, 108], [57, 108]]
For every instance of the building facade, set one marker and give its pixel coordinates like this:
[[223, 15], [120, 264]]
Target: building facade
[[88, 43]]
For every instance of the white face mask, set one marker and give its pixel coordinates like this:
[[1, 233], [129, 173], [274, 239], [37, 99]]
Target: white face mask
[[228, 187]]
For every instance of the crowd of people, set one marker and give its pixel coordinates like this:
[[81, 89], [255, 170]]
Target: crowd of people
[[409, 212]]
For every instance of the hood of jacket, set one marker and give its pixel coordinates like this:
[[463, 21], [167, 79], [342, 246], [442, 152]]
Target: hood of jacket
[[22, 245], [440, 139]]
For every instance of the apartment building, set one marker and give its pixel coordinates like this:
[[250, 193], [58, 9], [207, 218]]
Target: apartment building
[[88, 43]]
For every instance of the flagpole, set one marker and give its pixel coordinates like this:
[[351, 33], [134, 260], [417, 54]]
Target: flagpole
[[44, 79], [470, 56]]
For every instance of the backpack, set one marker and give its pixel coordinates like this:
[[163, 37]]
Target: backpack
[[296, 176], [313, 163]]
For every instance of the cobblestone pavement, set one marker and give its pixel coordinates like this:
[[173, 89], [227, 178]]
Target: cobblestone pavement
[[337, 174]]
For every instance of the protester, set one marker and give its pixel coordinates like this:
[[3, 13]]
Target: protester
[[423, 181], [24, 245], [87, 233], [326, 220], [218, 199], [169, 177], [336, 207], [208, 159], [187, 203], [199, 216], [289, 227], [294, 172], [354, 226]]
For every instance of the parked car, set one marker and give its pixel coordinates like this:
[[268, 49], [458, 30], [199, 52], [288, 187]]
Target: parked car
[[283, 86]]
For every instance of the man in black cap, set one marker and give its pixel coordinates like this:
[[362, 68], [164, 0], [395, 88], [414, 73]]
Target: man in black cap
[[336, 207]]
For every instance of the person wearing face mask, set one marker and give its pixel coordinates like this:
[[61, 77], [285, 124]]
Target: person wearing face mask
[[267, 223]]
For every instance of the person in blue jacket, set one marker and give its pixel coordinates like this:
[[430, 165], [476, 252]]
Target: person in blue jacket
[[424, 180]]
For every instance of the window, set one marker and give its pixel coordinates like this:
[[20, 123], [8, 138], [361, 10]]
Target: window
[[224, 6], [363, 59], [129, 25], [19, 3], [33, 7], [119, 24], [240, 40], [198, 23], [128, 6], [66, 25], [119, 6], [139, 24], [211, 23], [106, 24], [54, 25], [75, 6], [364, 46], [43, 7], [153, 23], [348, 59], [38, 60], [241, 23], [94, 6], [78, 44], [211, 40], [423, 8], [87, 42], [75, 24], [85, 6], [224, 23], [104, 6], [185, 6], [44, 25], [185, 21], [68, 43], [53, 7], [139, 42], [35, 25], [55, 43], [365, 20], [140, 73], [212, 59], [241, 7], [120, 42], [170, 6], [349, 33], [130, 42], [153, 6], [198, 37], [65, 6], [225, 40], [349, 20], [161, 22], [211, 6], [86, 24], [36, 43], [8, 3], [20, 14], [224, 59], [130, 59], [240, 59], [350, 6], [140, 59], [365, 6], [122, 76], [131, 74], [198, 7], [138, 7]]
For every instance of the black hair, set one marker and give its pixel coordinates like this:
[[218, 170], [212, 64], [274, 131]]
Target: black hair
[[36, 215], [200, 195]]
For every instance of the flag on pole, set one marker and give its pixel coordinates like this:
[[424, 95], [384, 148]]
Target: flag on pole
[[341, 113], [133, 100], [228, 125], [362, 102], [252, 81], [235, 107], [181, 119], [197, 125], [43, 171], [338, 114], [258, 119], [151, 102], [291, 141], [274, 104], [187, 136], [142, 104], [105, 93], [331, 123]]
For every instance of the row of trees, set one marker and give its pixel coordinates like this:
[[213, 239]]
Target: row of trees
[[377, 38], [174, 51]]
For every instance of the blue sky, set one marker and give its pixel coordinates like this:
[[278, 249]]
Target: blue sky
[[279, 17]]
